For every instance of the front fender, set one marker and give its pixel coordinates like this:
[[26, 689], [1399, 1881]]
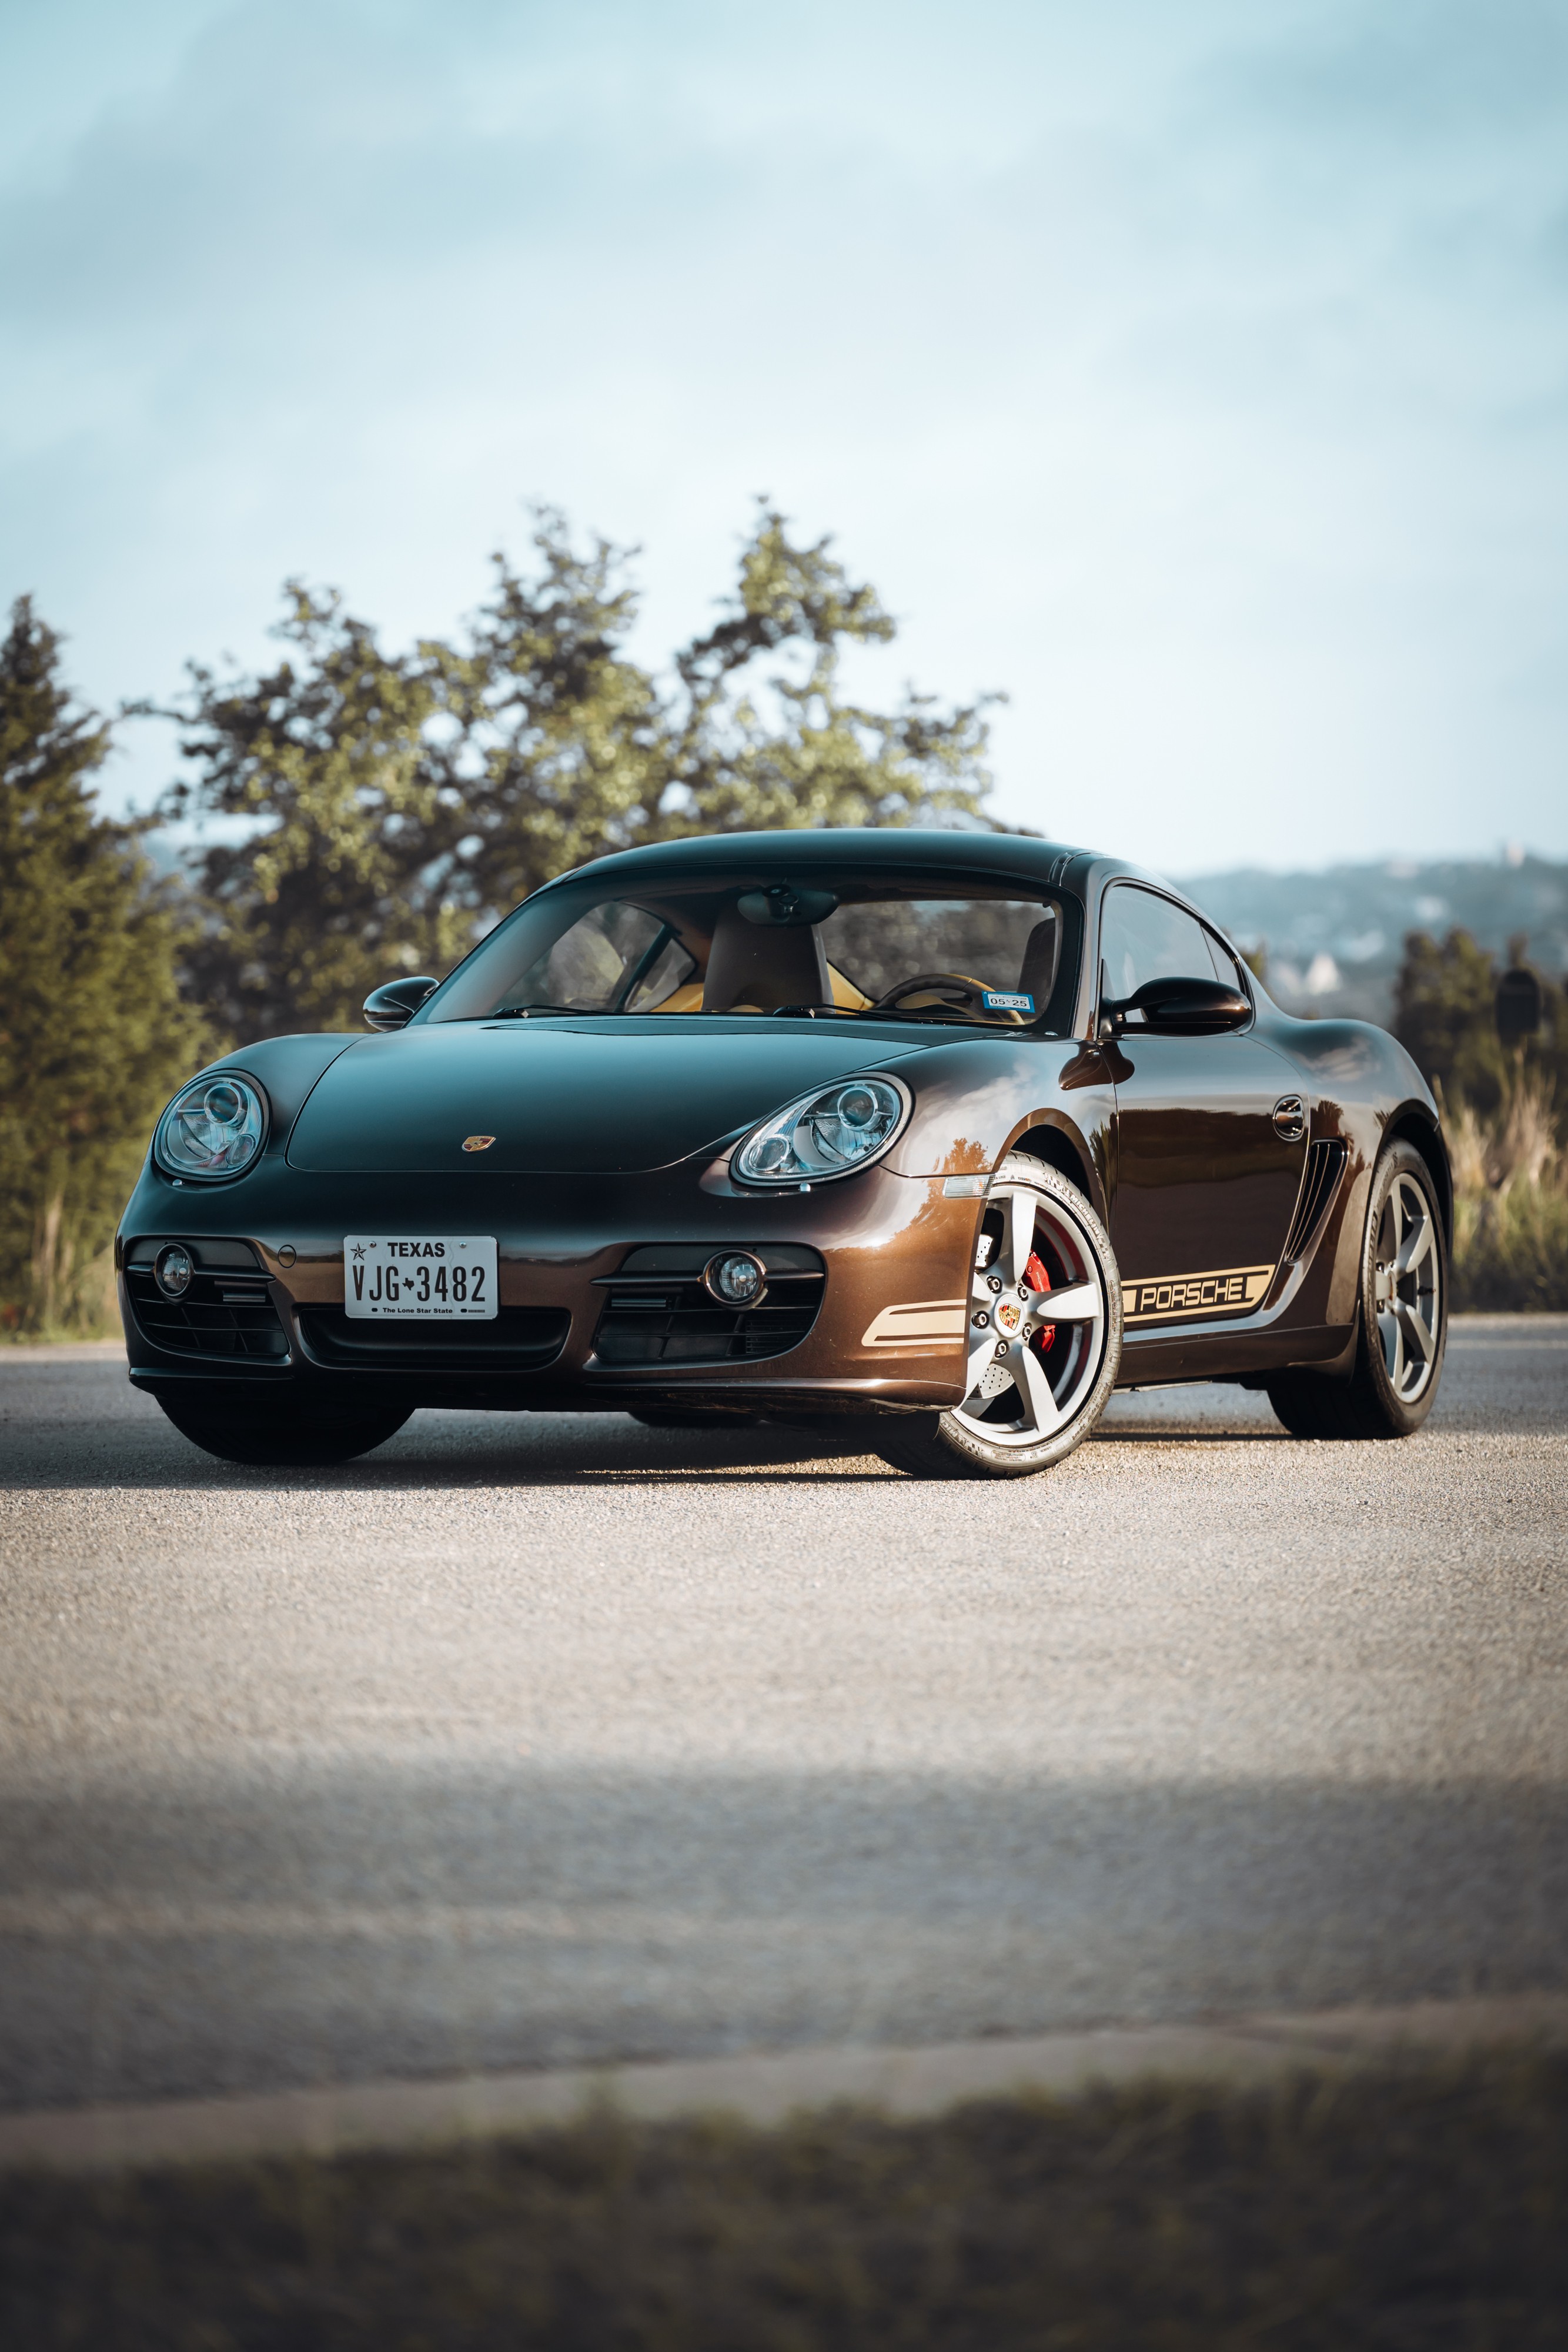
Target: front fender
[[975, 1102], [285, 1069]]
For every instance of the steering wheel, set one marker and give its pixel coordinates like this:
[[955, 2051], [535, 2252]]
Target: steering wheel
[[953, 988]]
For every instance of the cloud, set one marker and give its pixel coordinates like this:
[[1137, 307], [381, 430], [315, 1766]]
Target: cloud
[[1197, 374]]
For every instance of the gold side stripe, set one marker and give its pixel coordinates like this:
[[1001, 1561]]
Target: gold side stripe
[[1229, 1290], [919, 1323]]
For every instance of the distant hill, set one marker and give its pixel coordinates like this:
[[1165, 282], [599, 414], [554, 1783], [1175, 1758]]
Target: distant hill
[[1334, 939]]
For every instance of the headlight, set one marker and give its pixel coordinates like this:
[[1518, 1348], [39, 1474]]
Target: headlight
[[833, 1132], [214, 1128]]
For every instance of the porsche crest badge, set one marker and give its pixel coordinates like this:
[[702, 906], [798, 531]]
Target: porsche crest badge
[[477, 1142]]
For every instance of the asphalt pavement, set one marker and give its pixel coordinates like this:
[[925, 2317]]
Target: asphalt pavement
[[531, 1742]]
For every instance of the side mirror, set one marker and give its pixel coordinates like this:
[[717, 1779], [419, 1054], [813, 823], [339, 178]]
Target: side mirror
[[395, 1003], [1184, 1008]]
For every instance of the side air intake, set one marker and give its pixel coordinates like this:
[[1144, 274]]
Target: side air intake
[[1321, 1174]]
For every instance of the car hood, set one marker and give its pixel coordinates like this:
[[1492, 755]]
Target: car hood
[[562, 1098]]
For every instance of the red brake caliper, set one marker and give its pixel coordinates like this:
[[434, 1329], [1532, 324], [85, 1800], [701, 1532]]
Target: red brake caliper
[[1035, 1274]]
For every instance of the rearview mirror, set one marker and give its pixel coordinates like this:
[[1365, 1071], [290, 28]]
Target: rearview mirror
[[784, 906], [1184, 1008], [395, 1003]]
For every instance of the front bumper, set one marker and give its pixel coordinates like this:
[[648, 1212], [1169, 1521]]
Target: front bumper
[[887, 1332]]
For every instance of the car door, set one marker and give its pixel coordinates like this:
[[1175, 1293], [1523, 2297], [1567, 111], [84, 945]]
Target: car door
[[1210, 1131]]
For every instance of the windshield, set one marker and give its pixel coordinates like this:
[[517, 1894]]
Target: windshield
[[836, 947]]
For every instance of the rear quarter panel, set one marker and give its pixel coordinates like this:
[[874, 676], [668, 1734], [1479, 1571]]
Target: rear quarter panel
[[1364, 1088]]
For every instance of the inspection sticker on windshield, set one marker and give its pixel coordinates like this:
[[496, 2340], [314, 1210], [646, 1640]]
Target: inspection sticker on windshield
[[1000, 999], [427, 1275]]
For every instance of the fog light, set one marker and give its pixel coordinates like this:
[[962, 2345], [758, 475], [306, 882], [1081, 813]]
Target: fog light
[[737, 1278], [174, 1270]]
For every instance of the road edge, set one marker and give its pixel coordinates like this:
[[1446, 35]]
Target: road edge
[[762, 2087]]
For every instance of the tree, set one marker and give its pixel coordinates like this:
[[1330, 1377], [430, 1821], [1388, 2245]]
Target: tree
[[342, 882], [403, 802], [1444, 1014], [93, 1032], [824, 762]]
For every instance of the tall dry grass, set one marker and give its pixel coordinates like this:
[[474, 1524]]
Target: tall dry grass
[[1510, 1203]]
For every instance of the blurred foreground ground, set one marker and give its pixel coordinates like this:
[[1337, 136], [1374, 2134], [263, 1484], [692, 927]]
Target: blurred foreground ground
[[1420, 2208], [527, 1741]]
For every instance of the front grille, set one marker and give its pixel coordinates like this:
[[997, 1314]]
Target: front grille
[[221, 1314], [658, 1312], [1322, 1173], [517, 1339]]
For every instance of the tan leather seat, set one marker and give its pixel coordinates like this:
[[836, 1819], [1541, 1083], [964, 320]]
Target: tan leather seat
[[689, 998], [762, 966]]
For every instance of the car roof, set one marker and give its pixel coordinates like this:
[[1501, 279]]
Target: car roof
[[949, 850], [935, 849]]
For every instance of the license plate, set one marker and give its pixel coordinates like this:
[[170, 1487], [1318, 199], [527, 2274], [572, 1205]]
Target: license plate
[[425, 1275]]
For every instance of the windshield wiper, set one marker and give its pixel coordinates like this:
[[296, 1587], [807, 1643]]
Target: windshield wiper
[[812, 1013], [525, 1011]]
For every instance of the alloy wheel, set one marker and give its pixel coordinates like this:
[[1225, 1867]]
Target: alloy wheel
[[1406, 1287], [1037, 1320]]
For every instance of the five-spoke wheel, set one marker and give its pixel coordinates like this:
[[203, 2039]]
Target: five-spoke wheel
[[1407, 1286], [1403, 1317], [1044, 1336]]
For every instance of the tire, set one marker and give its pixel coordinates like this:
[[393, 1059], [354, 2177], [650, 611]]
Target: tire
[[1402, 1319], [283, 1433], [1033, 1398]]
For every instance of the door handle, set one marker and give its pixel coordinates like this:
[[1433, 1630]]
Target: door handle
[[1291, 1118]]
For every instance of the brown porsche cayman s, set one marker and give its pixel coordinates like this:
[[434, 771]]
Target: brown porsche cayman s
[[949, 1133]]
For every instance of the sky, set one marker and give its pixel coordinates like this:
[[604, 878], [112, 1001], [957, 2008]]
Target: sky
[[1194, 372]]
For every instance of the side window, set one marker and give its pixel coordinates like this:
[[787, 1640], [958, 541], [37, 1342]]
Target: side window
[[1144, 937], [1225, 964]]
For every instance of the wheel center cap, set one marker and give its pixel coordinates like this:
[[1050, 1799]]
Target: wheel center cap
[[1009, 1314]]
